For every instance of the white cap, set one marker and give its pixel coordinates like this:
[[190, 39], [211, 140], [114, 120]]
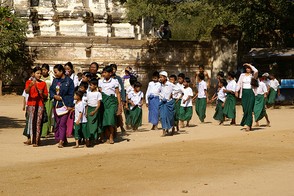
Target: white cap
[[265, 75], [163, 73]]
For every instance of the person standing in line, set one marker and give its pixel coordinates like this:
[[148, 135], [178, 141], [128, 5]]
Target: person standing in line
[[109, 87], [221, 98], [186, 109], [274, 90], [62, 92], [129, 90], [37, 90], [80, 124], [259, 109], [201, 98], [136, 101], [230, 103], [166, 105], [152, 100], [46, 77], [69, 71], [94, 98], [245, 92]]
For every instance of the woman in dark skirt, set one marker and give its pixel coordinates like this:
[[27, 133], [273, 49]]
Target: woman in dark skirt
[[245, 92]]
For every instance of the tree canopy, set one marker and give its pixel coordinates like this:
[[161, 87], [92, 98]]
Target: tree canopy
[[13, 55], [264, 23]]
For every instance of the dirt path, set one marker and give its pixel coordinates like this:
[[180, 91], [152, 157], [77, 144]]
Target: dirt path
[[206, 159]]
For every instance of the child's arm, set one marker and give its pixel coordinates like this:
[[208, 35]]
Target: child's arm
[[195, 97], [78, 121], [189, 97], [96, 109], [206, 94]]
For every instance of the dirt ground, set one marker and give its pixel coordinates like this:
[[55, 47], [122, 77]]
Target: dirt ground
[[205, 159]]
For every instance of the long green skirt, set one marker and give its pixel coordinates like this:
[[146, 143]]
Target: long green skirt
[[230, 106], [272, 96], [136, 117], [248, 99], [259, 107], [92, 124], [201, 108], [110, 108], [127, 115], [46, 129], [185, 113], [81, 131], [219, 114], [177, 110]]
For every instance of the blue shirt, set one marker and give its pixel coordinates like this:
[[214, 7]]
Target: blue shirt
[[66, 91]]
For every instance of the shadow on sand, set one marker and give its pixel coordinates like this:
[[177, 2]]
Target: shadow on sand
[[8, 123]]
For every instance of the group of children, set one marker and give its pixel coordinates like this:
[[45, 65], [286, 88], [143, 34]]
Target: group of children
[[100, 102]]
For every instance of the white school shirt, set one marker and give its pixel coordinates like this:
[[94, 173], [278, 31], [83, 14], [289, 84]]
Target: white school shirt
[[80, 108], [75, 79], [93, 98], [187, 92], [246, 82], [85, 99], [108, 87], [274, 84], [221, 95], [232, 85], [166, 91], [177, 90], [153, 89], [25, 95], [261, 89], [129, 90], [202, 86], [136, 98]]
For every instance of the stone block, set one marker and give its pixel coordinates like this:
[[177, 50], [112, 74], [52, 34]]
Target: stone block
[[47, 28], [100, 29], [125, 30], [73, 28]]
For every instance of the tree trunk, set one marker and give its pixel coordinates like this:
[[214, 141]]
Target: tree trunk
[[0, 87]]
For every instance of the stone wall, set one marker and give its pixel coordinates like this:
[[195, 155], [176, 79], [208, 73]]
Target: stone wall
[[145, 56]]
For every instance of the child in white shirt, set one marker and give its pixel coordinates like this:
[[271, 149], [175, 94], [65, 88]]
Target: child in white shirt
[[186, 110], [136, 102], [221, 98]]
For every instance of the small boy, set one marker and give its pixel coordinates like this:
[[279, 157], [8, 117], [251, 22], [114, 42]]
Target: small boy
[[152, 100], [259, 109], [84, 86], [202, 98], [186, 110], [136, 101], [230, 104], [127, 106], [274, 90], [80, 124], [94, 98], [221, 98]]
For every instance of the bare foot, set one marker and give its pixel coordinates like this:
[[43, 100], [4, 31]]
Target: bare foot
[[268, 124], [256, 125]]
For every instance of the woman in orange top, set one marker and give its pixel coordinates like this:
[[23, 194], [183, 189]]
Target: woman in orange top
[[37, 90]]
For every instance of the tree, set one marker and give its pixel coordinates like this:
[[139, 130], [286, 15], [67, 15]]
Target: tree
[[14, 57]]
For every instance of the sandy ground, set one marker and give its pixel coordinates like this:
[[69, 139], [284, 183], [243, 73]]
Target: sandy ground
[[205, 159]]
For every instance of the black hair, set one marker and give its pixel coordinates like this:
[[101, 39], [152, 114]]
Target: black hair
[[223, 81], [37, 68], [113, 66], [181, 75], [187, 79], [79, 94], [87, 74], [260, 75], [254, 82], [133, 80], [84, 84], [96, 64], [232, 74], [174, 77], [93, 76], [69, 64], [137, 84], [108, 69], [94, 81], [45, 66], [155, 74], [79, 74], [59, 67], [201, 76], [221, 74], [201, 66]]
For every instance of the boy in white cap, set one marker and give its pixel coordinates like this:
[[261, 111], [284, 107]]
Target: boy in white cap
[[166, 106]]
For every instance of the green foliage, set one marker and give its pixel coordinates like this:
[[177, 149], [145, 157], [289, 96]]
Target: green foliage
[[13, 56], [264, 23]]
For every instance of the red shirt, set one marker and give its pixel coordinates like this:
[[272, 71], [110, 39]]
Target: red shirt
[[34, 97]]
